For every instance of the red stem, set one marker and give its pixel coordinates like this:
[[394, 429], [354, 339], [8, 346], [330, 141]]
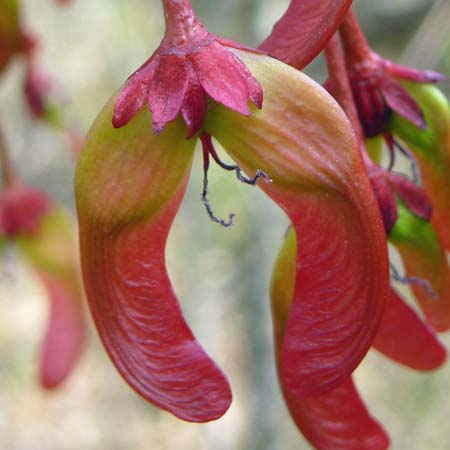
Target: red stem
[[342, 92], [181, 22], [357, 49]]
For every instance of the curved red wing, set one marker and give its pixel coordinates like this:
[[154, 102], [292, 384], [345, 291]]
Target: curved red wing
[[406, 338], [337, 420], [303, 141], [129, 185]]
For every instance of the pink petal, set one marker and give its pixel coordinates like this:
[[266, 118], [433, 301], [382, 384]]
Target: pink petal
[[385, 198], [400, 101], [372, 108], [134, 94], [193, 108], [307, 25], [167, 90], [414, 196], [223, 76], [411, 74], [254, 88], [64, 338], [405, 338]]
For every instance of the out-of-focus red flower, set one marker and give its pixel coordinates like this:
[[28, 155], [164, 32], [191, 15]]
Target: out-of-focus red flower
[[44, 234], [41, 95], [45, 102], [21, 209], [36, 88], [37, 85]]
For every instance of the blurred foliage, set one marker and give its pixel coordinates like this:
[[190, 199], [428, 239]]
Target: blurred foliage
[[222, 276]]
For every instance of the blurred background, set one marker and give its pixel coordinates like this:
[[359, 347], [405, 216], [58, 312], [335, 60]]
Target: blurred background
[[220, 275]]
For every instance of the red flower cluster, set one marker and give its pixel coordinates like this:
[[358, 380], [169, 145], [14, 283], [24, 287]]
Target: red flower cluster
[[179, 81], [21, 210], [331, 291], [376, 83]]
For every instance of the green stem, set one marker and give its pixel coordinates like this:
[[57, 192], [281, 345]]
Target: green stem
[[6, 168]]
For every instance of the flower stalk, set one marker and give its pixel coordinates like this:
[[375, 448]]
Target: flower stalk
[[182, 25], [357, 50], [339, 85]]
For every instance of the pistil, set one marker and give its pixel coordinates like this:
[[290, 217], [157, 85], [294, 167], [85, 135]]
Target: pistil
[[209, 150]]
